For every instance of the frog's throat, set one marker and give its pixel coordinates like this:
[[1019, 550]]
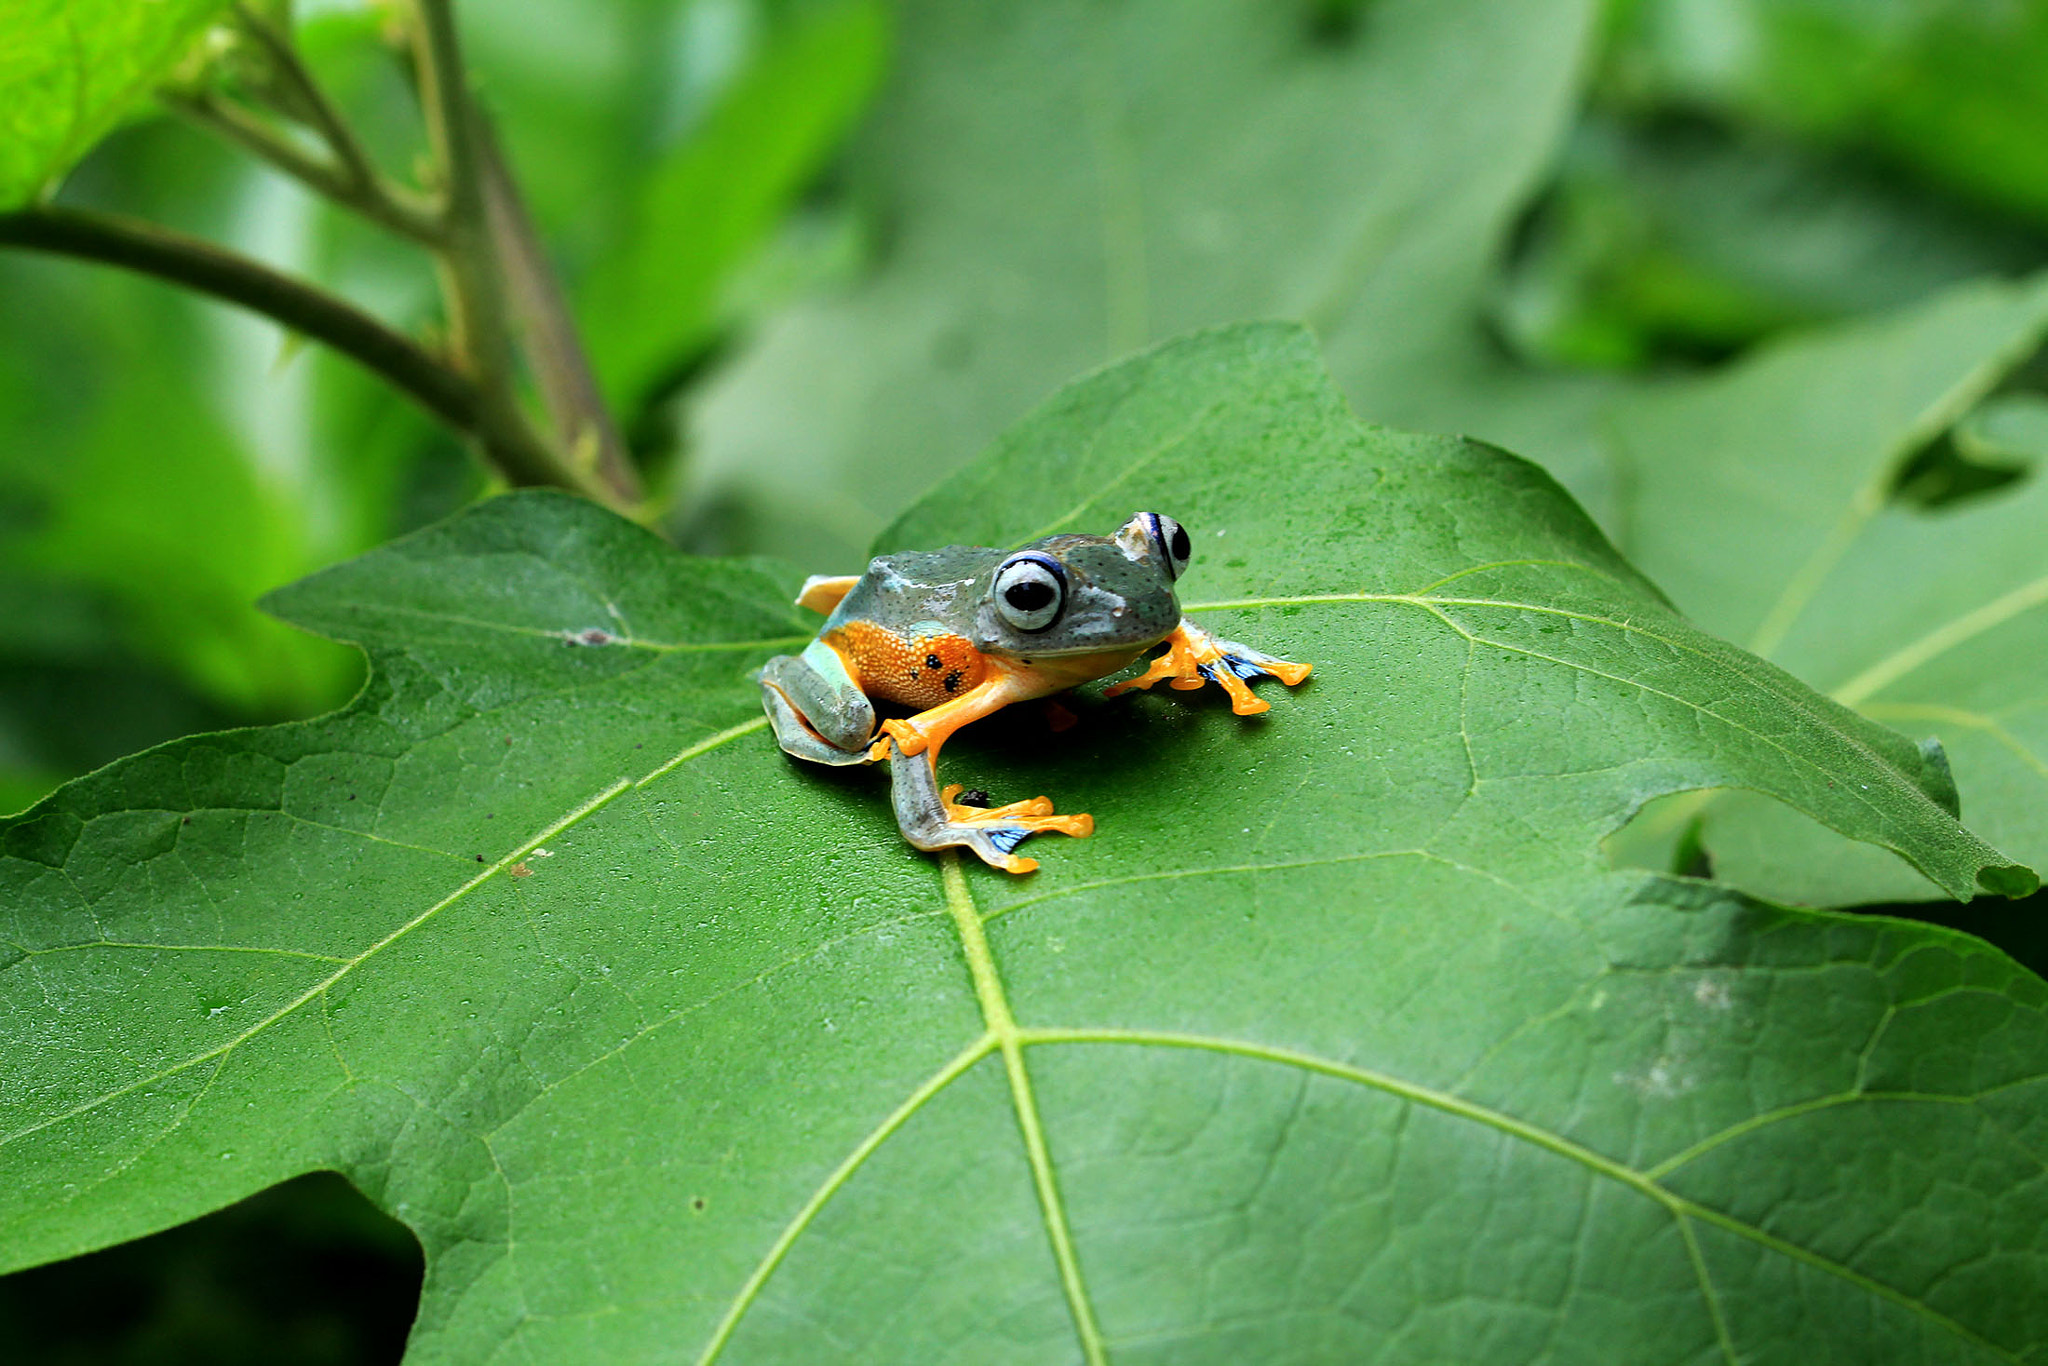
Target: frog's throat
[[1073, 668]]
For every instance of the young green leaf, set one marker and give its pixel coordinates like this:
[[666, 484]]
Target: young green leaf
[[1761, 500], [1338, 1040], [70, 68]]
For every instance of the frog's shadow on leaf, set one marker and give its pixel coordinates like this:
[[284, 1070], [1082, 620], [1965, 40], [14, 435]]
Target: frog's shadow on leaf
[[1120, 748], [1116, 753]]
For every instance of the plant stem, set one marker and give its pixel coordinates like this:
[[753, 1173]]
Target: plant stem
[[443, 391], [480, 338], [307, 101], [375, 199], [561, 367]]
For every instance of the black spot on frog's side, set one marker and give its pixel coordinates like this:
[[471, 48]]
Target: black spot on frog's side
[[953, 681], [933, 662], [973, 796]]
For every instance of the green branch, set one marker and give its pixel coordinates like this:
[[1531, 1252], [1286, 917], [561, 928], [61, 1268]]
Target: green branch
[[561, 367], [335, 178], [493, 270], [443, 391], [478, 333], [302, 98]]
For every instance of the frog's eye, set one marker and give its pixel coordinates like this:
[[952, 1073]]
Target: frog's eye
[[1030, 589], [1171, 540]]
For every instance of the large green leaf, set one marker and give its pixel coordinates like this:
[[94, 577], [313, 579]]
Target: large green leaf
[[1059, 183], [70, 68], [1759, 499], [1338, 1041]]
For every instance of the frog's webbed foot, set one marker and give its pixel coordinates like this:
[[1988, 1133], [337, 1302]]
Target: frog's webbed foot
[[1194, 657], [931, 819]]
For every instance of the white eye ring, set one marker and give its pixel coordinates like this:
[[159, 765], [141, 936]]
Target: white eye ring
[[1030, 590], [1170, 539]]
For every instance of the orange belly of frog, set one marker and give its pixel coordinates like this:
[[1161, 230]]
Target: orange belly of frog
[[919, 672]]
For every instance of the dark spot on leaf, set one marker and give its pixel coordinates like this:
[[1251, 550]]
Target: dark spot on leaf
[[952, 349], [479, 858], [351, 796], [590, 635], [1333, 23], [697, 1203], [186, 821]]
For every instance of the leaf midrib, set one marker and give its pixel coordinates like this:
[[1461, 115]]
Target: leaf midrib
[[1006, 1036]]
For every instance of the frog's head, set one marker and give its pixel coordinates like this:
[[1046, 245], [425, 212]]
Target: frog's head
[[1074, 595]]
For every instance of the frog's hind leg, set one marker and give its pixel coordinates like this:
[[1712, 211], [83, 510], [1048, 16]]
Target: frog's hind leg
[[817, 711], [931, 819], [823, 592]]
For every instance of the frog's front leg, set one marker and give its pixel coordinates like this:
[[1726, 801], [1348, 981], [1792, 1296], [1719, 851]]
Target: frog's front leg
[[931, 819], [931, 728], [1194, 657], [815, 708]]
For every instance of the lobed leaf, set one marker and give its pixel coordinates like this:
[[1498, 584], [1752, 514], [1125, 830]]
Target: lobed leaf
[[1339, 1040]]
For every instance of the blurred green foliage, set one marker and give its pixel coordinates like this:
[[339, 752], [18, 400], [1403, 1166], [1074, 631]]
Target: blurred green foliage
[[165, 460], [1947, 92], [820, 249]]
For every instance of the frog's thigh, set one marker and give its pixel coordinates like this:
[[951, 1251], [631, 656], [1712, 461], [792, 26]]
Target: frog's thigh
[[816, 709]]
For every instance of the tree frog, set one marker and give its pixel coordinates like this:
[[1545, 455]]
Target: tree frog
[[956, 634]]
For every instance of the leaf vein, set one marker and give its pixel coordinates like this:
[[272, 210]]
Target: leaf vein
[[750, 1290], [1680, 1206]]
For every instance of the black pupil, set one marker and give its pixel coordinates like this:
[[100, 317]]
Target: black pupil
[[1179, 544], [1029, 595]]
